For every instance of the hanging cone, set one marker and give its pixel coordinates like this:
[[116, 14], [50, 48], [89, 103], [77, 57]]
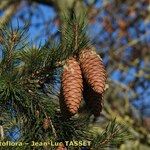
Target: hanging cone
[[63, 107], [46, 123], [93, 70], [72, 85], [93, 100]]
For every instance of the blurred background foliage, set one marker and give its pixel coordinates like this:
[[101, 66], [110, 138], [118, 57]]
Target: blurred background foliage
[[120, 31]]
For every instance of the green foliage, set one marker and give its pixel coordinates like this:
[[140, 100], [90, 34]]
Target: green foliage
[[113, 135], [24, 72], [12, 41], [74, 37], [19, 87], [72, 129]]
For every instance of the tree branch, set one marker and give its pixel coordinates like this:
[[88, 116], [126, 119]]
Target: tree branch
[[8, 13], [44, 2]]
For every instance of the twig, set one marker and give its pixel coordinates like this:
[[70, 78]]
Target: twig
[[109, 137], [8, 13], [123, 86], [76, 35], [53, 129], [1, 132], [131, 43]]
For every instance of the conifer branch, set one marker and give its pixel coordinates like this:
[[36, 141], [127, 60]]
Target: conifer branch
[[8, 13], [113, 135], [20, 88]]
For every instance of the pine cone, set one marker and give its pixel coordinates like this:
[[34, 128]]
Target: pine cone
[[46, 123], [93, 70], [93, 100], [63, 107], [72, 85], [61, 147]]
